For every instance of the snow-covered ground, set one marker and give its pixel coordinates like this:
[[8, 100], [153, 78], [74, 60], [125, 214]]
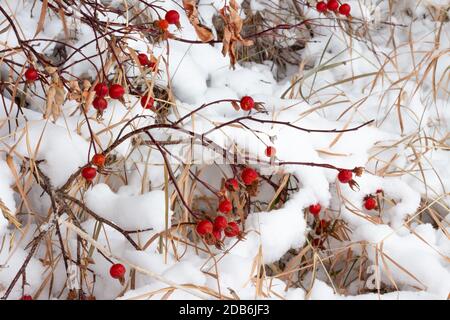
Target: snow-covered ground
[[387, 62]]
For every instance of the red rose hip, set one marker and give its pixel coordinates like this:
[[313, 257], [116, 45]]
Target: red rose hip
[[116, 91], [98, 160], [322, 226], [345, 9], [333, 5], [26, 297], [232, 184], [100, 103], [117, 271], [152, 65], [147, 102], [225, 206], [204, 227], [247, 103], [270, 151], [321, 6], [31, 74], [232, 230], [172, 17], [217, 234], [345, 176], [249, 176], [370, 203], [88, 173], [162, 24], [143, 59], [314, 209], [220, 223], [317, 242], [101, 89]]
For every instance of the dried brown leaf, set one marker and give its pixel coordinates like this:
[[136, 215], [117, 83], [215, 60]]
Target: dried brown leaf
[[203, 32], [232, 31]]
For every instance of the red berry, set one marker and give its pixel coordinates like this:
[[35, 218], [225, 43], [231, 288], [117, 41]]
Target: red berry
[[88, 173], [345, 176], [321, 6], [217, 234], [116, 91], [323, 224], [247, 103], [31, 74], [379, 191], [225, 206], [220, 223], [370, 203], [100, 103], [147, 102], [26, 297], [162, 24], [117, 271], [345, 9], [152, 65], [232, 230], [249, 175], [204, 227], [314, 209], [172, 17], [317, 242], [333, 5], [143, 59], [232, 184], [271, 151], [98, 160], [101, 89]]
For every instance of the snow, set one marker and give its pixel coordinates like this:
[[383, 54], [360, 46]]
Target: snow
[[11, 261], [128, 210], [36, 144], [383, 71]]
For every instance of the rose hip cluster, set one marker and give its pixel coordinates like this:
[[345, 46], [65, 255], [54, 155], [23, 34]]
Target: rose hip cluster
[[322, 226], [147, 101], [171, 17], [115, 91], [89, 172], [334, 6], [344, 176], [211, 230]]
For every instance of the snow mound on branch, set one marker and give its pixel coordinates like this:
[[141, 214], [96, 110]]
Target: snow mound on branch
[[410, 260], [64, 151], [10, 263], [276, 231], [129, 211], [406, 199], [321, 291]]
